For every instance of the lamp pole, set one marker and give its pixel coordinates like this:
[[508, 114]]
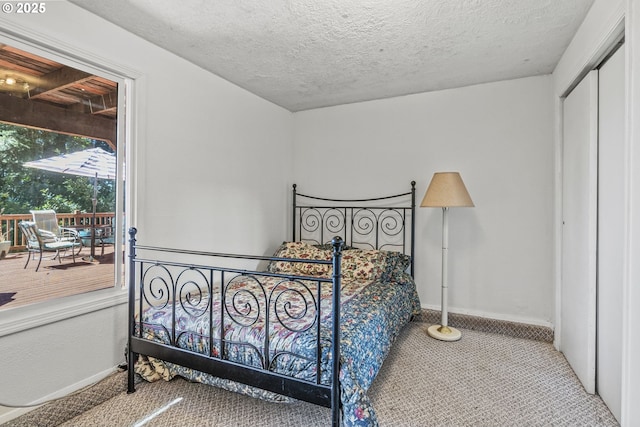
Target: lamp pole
[[442, 331], [445, 269]]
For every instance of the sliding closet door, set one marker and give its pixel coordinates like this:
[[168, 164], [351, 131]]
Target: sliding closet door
[[579, 229], [611, 220]]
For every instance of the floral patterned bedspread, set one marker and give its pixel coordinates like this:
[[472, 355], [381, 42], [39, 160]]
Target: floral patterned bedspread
[[372, 315]]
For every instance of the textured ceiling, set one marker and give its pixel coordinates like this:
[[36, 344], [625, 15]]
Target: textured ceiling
[[304, 54]]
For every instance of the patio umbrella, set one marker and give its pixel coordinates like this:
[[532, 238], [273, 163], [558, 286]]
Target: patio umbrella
[[94, 163]]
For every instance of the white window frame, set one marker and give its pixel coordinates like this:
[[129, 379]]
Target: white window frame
[[46, 312]]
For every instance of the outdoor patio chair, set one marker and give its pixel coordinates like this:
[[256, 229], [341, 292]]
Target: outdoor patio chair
[[37, 244], [50, 230]]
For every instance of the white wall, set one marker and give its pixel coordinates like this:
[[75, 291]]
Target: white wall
[[42, 361], [500, 137], [211, 160]]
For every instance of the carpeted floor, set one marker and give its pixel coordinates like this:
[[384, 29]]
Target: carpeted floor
[[483, 380]]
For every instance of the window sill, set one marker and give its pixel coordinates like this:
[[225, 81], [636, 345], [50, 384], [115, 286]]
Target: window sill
[[35, 315]]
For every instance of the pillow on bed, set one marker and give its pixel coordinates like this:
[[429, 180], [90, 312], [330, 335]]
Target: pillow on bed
[[362, 264], [301, 250], [370, 264], [357, 264], [396, 266]]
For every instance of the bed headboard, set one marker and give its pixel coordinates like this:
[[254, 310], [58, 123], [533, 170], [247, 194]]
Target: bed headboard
[[384, 223]]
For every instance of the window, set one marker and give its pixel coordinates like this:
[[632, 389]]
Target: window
[[62, 109]]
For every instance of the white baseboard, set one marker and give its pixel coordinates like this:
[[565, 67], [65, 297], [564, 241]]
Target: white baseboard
[[493, 316]]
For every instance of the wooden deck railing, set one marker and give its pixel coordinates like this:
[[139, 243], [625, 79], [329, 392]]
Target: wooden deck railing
[[9, 224]]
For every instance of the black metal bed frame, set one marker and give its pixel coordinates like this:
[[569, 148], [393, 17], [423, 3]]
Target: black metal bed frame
[[185, 286]]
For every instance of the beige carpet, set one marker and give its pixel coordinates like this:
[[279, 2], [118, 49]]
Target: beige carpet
[[483, 380]]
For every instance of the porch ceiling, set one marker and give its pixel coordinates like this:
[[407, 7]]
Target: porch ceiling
[[38, 92]]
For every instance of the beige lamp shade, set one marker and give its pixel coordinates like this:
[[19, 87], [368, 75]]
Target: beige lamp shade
[[446, 190]]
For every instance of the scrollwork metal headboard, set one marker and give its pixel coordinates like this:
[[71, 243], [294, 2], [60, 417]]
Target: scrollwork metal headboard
[[384, 223]]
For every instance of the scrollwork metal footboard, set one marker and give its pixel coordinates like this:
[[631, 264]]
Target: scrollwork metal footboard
[[234, 323]]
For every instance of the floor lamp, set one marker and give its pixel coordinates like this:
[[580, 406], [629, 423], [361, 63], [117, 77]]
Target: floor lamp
[[445, 191]]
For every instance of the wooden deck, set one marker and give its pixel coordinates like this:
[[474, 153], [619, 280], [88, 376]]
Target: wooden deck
[[20, 286]]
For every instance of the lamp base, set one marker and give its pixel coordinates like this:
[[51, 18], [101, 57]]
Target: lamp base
[[444, 333]]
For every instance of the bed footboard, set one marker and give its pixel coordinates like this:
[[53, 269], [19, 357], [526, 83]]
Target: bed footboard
[[220, 299]]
